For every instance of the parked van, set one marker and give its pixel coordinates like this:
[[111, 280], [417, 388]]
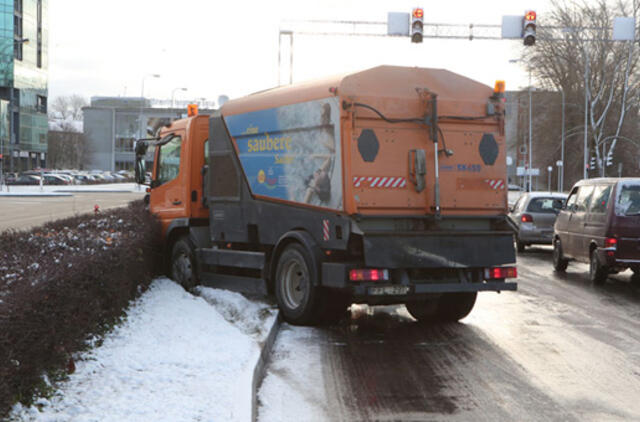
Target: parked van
[[600, 224]]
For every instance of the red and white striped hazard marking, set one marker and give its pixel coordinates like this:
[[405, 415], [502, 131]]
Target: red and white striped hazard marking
[[325, 230], [379, 182], [496, 184]]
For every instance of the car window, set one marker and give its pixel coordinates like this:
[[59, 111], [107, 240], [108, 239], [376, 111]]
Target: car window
[[544, 205], [583, 198], [628, 200], [169, 160], [572, 199], [600, 199]]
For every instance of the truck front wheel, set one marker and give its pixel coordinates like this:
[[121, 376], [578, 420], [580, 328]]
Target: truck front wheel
[[183, 270], [296, 286]]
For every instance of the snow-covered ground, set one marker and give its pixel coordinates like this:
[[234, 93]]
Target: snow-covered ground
[[49, 190], [176, 357]]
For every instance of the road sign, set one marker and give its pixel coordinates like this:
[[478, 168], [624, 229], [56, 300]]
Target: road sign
[[512, 27], [559, 163], [398, 24], [624, 29]]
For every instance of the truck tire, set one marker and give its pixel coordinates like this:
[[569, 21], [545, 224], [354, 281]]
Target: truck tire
[[597, 273], [635, 277], [425, 311], [520, 245], [455, 306], [297, 292], [559, 261], [183, 268]]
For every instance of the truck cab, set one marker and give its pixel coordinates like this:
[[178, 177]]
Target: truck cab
[[178, 174]]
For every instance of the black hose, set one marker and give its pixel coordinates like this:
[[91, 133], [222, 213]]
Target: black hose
[[390, 120]]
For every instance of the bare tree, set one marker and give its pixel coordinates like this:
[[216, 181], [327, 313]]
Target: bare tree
[[606, 71], [67, 107]]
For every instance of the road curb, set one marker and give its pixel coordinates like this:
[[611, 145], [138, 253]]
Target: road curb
[[261, 365], [31, 195]]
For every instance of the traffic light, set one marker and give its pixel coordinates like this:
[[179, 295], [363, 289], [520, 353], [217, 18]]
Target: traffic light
[[529, 28], [417, 23], [592, 163], [609, 159]]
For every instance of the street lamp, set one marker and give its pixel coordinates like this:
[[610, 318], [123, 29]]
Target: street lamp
[[530, 136], [151, 75], [173, 95]]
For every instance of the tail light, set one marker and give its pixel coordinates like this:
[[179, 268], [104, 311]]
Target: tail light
[[369, 275], [526, 218], [500, 272], [610, 242]]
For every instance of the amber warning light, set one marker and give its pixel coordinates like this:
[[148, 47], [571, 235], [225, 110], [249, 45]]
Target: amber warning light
[[499, 87], [192, 110]]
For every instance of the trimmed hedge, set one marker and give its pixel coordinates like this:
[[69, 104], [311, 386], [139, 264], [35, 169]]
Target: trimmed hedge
[[63, 282]]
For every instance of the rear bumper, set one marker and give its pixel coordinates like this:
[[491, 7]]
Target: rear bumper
[[615, 262], [400, 289], [535, 235]]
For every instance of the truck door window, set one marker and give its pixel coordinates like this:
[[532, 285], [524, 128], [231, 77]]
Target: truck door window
[[206, 152], [169, 160]]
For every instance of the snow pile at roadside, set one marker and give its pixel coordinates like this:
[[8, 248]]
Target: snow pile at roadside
[[175, 358]]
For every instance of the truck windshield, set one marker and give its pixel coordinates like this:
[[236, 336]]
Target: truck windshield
[[169, 160]]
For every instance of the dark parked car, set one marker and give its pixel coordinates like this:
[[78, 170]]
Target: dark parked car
[[600, 224], [54, 179], [534, 214], [26, 179]]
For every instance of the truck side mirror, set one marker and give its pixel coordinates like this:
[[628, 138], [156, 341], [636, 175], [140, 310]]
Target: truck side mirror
[[140, 170]]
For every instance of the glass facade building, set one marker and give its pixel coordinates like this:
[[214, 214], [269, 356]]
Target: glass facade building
[[24, 61]]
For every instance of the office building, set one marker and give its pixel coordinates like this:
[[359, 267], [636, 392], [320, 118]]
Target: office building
[[23, 83]]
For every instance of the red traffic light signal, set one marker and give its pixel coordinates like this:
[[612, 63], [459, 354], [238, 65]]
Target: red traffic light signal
[[529, 28]]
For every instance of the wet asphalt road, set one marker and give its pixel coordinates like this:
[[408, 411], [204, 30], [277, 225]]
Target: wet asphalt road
[[558, 349]]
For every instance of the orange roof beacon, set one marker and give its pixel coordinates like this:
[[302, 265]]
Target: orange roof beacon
[[381, 186]]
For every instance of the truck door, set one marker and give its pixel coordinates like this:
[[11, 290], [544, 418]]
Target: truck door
[[170, 182]]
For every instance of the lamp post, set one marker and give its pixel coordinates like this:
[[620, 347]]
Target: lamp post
[[561, 174], [151, 75], [173, 95]]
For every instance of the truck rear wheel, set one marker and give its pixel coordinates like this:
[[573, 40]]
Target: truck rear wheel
[[449, 307], [296, 286], [455, 306], [183, 269], [424, 310]]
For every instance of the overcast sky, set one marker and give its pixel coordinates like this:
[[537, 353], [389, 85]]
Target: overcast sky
[[231, 47]]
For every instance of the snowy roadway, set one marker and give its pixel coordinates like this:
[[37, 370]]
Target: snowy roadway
[[559, 349]]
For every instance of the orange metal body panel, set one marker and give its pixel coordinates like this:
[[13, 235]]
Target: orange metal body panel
[[173, 199], [466, 184]]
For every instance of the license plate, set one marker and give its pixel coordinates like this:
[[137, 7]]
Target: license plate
[[389, 290]]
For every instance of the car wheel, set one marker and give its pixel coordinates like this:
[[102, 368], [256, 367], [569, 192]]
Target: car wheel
[[559, 261], [183, 269], [297, 293], [597, 273]]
